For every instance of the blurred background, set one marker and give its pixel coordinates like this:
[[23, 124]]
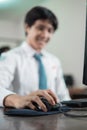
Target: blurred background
[[68, 41]]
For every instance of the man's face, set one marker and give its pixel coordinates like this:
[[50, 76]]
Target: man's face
[[39, 34]]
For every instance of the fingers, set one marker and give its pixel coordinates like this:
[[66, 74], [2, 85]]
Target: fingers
[[49, 98], [30, 105], [37, 100], [49, 95], [53, 95], [35, 97], [40, 104]]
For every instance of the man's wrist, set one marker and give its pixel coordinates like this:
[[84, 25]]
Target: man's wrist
[[7, 102]]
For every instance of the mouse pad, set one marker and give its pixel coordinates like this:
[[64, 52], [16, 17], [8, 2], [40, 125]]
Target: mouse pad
[[29, 112]]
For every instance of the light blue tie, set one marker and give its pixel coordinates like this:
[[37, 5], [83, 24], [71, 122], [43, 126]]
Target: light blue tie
[[41, 71]]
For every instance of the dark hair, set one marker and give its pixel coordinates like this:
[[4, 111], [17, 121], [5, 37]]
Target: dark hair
[[39, 12], [4, 49]]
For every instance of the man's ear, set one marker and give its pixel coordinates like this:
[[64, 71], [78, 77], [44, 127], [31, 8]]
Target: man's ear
[[26, 27]]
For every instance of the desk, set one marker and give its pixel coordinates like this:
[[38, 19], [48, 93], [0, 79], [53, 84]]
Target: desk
[[51, 122]]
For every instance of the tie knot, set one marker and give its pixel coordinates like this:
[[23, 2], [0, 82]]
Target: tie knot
[[37, 56]]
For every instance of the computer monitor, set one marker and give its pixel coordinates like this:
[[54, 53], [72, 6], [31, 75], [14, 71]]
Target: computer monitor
[[85, 58]]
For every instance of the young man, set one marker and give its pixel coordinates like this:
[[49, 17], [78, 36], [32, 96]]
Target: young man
[[31, 70]]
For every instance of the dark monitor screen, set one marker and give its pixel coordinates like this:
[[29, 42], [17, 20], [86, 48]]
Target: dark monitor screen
[[85, 59]]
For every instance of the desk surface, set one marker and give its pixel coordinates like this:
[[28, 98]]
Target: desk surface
[[51, 122]]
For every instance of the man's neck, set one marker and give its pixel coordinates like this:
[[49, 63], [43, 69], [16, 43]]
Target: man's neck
[[37, 50]]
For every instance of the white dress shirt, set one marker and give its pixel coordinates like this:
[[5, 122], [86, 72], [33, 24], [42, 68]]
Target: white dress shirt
[[19, 73]]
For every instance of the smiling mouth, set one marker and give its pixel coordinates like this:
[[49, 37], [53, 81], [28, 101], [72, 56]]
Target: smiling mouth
[[41, 41]]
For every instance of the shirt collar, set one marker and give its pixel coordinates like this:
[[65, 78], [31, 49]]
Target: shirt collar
[[30, 51]]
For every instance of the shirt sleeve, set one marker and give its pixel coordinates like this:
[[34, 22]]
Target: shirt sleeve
[[7, 70], [62, 91]]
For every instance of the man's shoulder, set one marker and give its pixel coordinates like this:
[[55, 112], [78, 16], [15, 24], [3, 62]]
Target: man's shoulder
[[18, 50], [15, 51], [12, 54]]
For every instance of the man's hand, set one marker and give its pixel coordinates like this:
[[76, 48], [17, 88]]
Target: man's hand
[[18, 101]]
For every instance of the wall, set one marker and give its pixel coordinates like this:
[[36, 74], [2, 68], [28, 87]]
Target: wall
[[9, 30]]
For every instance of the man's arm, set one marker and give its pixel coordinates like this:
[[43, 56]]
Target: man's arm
[[7, 70], [62, 90]]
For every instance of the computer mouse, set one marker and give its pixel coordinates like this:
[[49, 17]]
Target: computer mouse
[[47, 104]]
